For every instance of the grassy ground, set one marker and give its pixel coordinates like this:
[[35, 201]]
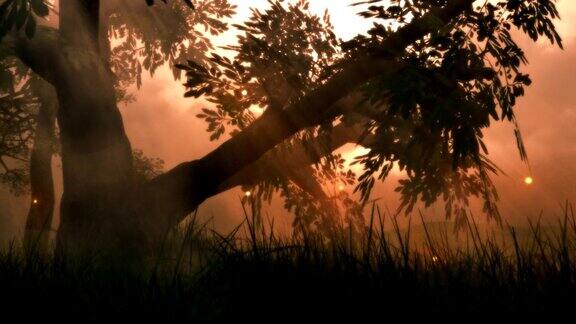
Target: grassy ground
[[382, 274]]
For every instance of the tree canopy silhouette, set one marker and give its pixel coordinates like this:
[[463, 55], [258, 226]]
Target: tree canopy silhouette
[[427, 118], [418, 89]]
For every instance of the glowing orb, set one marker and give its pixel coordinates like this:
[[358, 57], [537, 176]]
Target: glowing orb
[[35, 201], [247, 194], [244, 92], [341, 188], [528, 180]]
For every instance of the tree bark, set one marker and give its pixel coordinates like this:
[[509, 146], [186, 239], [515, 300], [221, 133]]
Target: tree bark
[[41, 211], [96, 153], [98, 175], [297, 157]]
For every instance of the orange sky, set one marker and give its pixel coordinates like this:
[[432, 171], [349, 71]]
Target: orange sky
[[161, 123]]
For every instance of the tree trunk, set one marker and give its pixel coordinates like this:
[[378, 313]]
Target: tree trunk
[[96, 162], [96, 153], [40, 214]]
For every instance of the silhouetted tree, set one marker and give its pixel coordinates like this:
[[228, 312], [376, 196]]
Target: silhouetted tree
[[286, 52], [145, 38], [418, 95]]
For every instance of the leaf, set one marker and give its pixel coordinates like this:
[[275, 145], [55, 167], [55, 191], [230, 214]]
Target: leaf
[[22, 16], [190, 4], [182, 67], [30, 27], [39, 7]]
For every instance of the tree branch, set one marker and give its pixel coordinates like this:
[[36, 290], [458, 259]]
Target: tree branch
[[179, 191], [41, 53], [298, 156]]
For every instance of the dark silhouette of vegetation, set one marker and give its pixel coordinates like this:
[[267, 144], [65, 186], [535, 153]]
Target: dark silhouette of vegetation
[[419, 89], [255, 275]]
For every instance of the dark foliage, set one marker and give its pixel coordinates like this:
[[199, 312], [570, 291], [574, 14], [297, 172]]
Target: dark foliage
[[387, 274], [21, 14], [428, 119], [18, 108]]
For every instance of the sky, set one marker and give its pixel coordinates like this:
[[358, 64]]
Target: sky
[[162, 123]]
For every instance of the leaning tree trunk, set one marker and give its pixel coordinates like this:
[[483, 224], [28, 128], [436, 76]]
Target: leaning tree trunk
[[169, 197], [40, 214]]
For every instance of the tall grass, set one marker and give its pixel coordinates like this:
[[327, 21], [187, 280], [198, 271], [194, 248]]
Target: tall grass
[[385, 272]]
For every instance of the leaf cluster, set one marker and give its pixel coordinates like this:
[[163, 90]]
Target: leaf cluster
[[18, 14], [146, 38], [455, 83], [283, 53]]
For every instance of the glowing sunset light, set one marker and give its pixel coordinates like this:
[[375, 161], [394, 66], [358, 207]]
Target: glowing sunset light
[[528, 180], [341, 188], [247, 194]]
